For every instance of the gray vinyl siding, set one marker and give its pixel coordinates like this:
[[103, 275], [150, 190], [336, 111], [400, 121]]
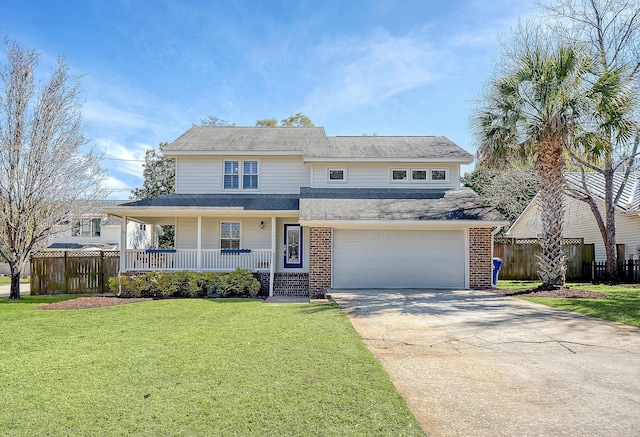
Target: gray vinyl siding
[[251, 236], [277, 175], [198, 174], [186, 233], [378, 175]]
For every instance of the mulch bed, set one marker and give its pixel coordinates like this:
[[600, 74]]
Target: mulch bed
[[100, 301], [565, 292], [89, 302]]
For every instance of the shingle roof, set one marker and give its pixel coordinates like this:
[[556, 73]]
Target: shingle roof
[[313, 143], [277, 202], [630, 198], [247, 139], [383, 147], [391, 204]]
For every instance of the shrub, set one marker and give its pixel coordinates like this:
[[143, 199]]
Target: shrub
[[240, 282]]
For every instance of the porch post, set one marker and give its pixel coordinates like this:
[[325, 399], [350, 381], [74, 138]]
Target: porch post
[[199, 243], [152, 235], [123, 245], [272, 269]]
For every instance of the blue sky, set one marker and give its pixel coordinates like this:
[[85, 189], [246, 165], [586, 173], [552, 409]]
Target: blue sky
[[153, 68]]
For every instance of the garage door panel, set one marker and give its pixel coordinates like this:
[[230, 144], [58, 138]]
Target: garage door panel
[[393, 258]]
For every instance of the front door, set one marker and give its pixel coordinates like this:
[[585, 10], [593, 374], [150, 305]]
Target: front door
[[292, 246]]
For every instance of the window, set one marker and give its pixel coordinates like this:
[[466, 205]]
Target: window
[[418, 175], [337, 175], [250, 175], [230, 235], [233, 175], [438, 175], [398, 175], [86, 228]]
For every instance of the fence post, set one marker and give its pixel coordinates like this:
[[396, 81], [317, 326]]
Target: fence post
[[593, 272], [101, 272], [65, 270]]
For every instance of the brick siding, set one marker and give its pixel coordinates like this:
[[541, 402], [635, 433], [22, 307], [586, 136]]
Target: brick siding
[[480, 264], [319, 261], [284, 283]]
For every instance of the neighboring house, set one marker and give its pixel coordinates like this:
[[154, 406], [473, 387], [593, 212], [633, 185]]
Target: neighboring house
[[96, 230], [310, 212], [579, 221]]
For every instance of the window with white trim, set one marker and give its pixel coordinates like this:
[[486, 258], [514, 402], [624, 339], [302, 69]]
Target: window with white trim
[[439, 175], [250, 175], [230, 235], [236, 172], [231, 175], [398, 174], [419, 175], [337, 175], [86, 228]]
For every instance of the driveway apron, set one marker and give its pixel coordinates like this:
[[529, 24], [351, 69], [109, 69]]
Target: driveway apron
[[472, 363]]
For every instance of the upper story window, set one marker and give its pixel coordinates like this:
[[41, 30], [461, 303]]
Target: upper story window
[[234, 173], [86, 228], [419, 175], [398, 175], [250, 175], [439, 175], [231, 175], [337, 175], [230, 235]]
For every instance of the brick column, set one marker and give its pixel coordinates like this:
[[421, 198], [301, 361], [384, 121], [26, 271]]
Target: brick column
[[480, 264], [319, 261]]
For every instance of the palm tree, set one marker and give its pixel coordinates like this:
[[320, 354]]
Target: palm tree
[[532, 111]]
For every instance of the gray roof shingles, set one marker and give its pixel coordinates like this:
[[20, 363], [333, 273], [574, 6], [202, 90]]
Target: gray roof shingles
[[257, 202], [313, 143], [248, 139], [391, 204]]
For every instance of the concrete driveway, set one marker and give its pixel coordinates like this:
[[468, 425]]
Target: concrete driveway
[[471, 363]]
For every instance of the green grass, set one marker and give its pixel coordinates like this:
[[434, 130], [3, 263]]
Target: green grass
[[623, 304], [193, 368]]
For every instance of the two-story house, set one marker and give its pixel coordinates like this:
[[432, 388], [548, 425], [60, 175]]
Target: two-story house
[[311, 212]]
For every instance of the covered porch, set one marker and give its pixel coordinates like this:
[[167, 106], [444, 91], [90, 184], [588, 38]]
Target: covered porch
[[216, 237]]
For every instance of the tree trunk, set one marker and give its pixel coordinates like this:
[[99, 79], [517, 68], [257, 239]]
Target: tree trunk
[[15, 284], [611, 266], [552, 265]]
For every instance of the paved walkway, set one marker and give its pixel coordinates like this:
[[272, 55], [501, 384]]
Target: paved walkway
[[471, 363], [4, 290]]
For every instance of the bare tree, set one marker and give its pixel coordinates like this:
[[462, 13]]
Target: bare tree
[[609, 144], [45, 177]]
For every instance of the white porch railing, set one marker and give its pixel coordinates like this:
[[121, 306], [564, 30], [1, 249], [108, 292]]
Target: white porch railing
[[187, 259]]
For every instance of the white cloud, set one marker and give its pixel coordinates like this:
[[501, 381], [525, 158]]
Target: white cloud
[[127, 157], [366, 71]]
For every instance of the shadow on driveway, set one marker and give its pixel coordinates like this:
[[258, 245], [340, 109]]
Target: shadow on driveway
[[475, 363]]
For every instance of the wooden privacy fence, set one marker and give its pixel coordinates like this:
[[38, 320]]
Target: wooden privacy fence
[[73, 272], [520, 262], [628, 270]]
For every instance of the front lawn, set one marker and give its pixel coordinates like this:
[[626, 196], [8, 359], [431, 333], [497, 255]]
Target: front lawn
[[623, 304], [192, 367]]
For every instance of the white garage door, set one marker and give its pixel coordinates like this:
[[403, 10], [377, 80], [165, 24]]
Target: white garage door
[[398, 259]]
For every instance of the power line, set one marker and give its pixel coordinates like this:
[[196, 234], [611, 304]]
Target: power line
[[122, 159]]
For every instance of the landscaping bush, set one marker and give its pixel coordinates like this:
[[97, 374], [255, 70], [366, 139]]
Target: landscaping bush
[[240, 283]]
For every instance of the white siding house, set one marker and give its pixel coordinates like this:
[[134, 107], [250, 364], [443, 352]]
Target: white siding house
[[308, 212], [579, 221]]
